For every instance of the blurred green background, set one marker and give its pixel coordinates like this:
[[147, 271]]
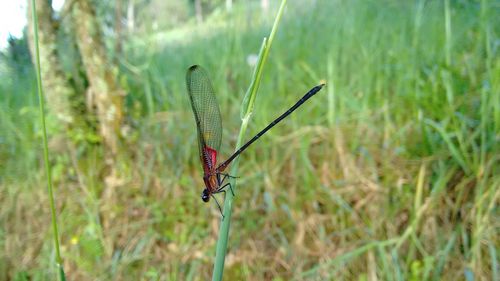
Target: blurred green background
[[390, 173]]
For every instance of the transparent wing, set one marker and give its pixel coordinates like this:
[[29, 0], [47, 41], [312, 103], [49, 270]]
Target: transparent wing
[[206, 113]]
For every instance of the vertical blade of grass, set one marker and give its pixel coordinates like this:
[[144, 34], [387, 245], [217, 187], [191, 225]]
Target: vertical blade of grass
[[443, 257], [451, 146], [331, 91], [420, 188], [45, 145], [246, 113], [249, 99], [494, 262], [447, 27], [385, 269]]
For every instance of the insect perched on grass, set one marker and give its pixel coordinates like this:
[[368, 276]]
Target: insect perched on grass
[[208, 122]]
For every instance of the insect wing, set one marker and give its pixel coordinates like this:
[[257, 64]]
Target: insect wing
[[207, 115]]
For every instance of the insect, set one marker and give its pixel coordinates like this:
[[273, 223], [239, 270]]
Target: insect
[[209, 127]]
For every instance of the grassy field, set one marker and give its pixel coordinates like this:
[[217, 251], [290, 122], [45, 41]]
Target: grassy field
[[390, 173]]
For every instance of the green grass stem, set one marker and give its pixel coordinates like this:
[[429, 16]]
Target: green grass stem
[[247, 109], [45, 143]]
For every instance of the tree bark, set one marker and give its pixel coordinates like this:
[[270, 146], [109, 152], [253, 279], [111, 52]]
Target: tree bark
[[105, 95], [198, 9], [57, 89], [104, 92], [118, 29]]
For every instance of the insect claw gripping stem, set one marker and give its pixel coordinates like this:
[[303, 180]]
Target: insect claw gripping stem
[[222, 181], [228, 175]]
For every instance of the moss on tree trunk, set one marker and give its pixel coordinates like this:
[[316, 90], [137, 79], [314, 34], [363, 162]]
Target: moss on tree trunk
[[57, 89], [104, 92]]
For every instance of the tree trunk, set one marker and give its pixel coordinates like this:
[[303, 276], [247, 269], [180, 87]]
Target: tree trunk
[[105, 96], [104, 92], [130, 16], [118, 29], [198, 9], [56, 87]]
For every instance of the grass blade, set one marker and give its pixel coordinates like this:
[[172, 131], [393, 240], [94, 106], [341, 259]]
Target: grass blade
[[248, 105], [45, 143]]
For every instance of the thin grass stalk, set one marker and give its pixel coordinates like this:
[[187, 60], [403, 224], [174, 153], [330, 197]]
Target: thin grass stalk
[[48, 172], [485, 99], [247, 110], [447, 22], [331, 91], [494, 262]]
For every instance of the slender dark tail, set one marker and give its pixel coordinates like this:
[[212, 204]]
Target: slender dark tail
[[307, 96]]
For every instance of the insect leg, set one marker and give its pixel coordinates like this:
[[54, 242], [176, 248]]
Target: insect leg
[[228, 176], [222, 181], [231, 188], [221, 189], [218, 205]]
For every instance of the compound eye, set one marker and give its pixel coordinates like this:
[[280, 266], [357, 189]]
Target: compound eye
[[204, 196]]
